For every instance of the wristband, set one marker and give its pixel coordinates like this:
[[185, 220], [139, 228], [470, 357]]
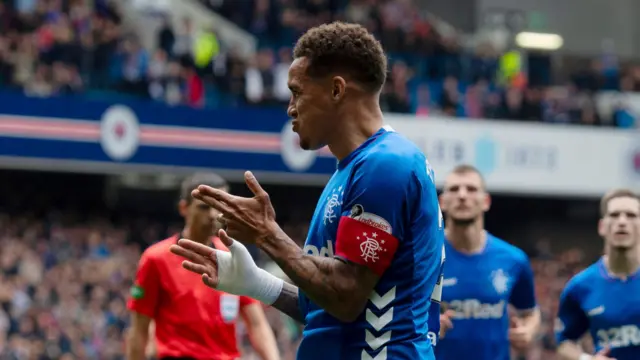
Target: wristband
[[269, 288], [585, 356], [238, 274]]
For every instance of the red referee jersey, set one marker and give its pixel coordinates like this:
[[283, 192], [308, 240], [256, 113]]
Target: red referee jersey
[[191, 319]]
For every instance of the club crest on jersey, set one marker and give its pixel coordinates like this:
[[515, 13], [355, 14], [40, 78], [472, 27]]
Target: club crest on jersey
[[229, 307], [371, 246], [500, 281], [358, 213], [333, 201]]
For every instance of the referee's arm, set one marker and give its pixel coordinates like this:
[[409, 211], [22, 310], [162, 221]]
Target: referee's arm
[[260, 332], [142, 304], [138, 337]]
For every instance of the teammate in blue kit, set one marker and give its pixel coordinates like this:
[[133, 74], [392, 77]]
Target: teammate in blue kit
[[604, 299], [377, 222], [483, 275]]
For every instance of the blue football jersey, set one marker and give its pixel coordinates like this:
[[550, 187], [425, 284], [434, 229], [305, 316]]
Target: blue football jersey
[[479, 288], [606, 307], [385, 186]]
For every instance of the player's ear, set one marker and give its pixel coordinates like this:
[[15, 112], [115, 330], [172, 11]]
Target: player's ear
[[183, 207], [338, 88], [602, 231], [442, 203], [486, 204]]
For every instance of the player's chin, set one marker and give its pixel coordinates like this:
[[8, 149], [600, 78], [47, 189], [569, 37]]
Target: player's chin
[[623, 243], [308, 143], [463, 219], [305, 143]]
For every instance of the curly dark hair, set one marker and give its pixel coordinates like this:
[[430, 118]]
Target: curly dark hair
[[344, 47]]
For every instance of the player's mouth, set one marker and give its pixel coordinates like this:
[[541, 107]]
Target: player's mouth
[[621, 232], [295, 124]]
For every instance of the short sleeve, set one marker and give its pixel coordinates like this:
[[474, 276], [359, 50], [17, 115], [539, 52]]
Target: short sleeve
[[572, 322], [374, 206], [246, 301], [523, 296], [146, 288]]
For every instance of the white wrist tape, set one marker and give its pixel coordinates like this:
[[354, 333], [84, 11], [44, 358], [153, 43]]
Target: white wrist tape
[[585, 356], [238, 274], [270, 288]]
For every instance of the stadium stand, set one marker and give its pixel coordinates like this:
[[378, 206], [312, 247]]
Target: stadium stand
[[63, 47]]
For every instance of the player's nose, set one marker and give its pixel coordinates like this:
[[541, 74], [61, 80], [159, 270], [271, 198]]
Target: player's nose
[[292, 112]]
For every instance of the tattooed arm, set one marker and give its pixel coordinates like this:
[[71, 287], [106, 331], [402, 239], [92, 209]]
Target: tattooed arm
[[340, 287], [287, 302]]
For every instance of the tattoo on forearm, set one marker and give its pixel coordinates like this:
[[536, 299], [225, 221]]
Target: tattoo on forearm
[[287, 302], [322, 279]]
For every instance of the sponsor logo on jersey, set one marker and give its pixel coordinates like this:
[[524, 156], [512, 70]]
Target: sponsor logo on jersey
[[474, 309], [323, 251], [433, 338], [621, 336], [373, 220], [449, 282]]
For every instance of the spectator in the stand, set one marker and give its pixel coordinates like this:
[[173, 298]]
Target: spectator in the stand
[[396, 98], [424, 103], [512, 106], [194, 93], [6, 65], [39, 85], [156, 73], [589, 115], [532, 106], [66, 79], [185, 40], [473, 102], [451, 97], [491, 108], [259, 79], [166, 37], [622, 116], [134, 61], [281, 90]]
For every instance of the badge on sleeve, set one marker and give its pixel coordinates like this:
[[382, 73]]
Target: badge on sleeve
[[229, 307], [137, 292]]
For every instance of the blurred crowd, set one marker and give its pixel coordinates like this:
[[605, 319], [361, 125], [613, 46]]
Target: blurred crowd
[[57, 47], [64, 285]]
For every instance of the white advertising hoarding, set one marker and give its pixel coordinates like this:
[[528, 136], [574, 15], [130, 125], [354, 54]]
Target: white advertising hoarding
[[529, 158]]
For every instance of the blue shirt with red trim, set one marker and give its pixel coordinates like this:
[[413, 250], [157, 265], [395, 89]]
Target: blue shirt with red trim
[[380, 210], [606, 307]]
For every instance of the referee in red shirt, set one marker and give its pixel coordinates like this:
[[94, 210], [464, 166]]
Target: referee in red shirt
[[191, 321]]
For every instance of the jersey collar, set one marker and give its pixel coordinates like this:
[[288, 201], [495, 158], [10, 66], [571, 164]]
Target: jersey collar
[[364, 145], [611, 276]]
